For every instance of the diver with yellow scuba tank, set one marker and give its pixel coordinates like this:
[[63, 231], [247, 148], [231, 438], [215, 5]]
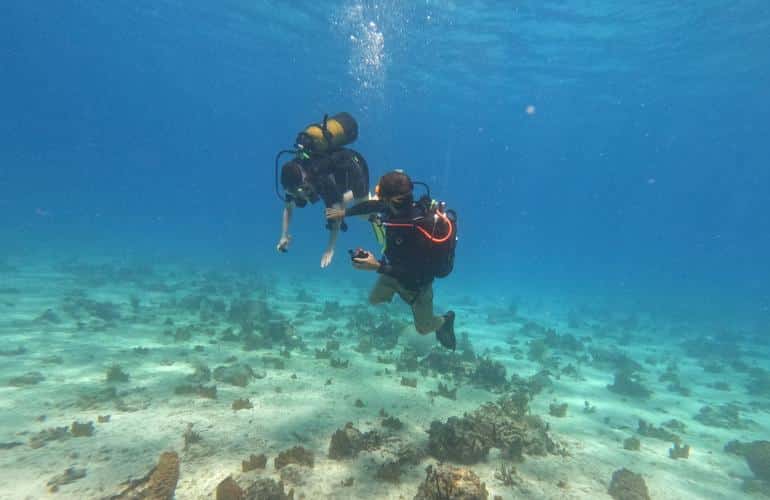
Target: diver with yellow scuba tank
[[419, 239], [322, 169]]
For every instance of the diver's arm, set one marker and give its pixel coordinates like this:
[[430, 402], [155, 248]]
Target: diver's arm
[[288, 210], [283, 242], [334, 231], [363, 208], [366, 207]]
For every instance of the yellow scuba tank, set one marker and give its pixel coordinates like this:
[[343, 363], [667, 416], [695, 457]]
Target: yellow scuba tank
[[332, 133]]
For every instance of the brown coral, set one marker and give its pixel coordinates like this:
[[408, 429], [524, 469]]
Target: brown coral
[[243, 488], [451, 483], [254, 462], [627, 485], [242, 404], [348, 441], [295, 455], [159, 484]]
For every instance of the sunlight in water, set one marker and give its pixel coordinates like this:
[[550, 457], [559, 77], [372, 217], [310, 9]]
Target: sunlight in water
[[367, 60]]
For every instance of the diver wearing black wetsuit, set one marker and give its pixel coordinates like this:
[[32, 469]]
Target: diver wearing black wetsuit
[[326, 177], [409, 263], [407, 255], [337, 177]]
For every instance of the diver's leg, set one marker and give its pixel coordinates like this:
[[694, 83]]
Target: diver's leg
[[334, 231], [422, 308], [383, 290]]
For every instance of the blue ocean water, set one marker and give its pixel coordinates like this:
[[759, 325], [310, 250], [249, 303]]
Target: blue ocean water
[[152, 126], [595, 151]]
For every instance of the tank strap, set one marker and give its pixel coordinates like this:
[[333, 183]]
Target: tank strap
[[327, 135]]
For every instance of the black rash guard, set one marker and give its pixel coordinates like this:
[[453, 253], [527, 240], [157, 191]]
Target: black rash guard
[[408, 253], [333, 175]]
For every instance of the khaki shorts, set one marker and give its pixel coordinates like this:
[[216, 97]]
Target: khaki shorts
[[421, 302]]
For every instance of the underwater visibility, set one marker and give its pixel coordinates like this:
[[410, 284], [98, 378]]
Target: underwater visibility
[[384, 249]]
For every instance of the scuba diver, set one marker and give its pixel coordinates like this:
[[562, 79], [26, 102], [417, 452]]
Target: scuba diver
[[420, 239], [322, 169]]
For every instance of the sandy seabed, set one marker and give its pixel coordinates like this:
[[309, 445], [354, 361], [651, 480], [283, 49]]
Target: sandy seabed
[[127, 349]]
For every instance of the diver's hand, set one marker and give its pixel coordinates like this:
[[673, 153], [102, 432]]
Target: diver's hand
[[368, 263], [327, 257], [335, 213], [283, 243]]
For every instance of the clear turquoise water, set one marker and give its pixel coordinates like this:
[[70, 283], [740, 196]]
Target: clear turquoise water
[[601, 156]]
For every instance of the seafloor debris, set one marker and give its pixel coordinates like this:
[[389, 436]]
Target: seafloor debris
[[444, 392], [53, 434], [629, 383], [239, 375], [78, 305], [248, 488], [294, 474], [158, 484], [557, 410], [445, 482], [242, 404], [566, 342], [115, 374], [537, 350], [82, 430], [296, 455], [30, 378], [507, 475], [614, 358], [489, 374], [408, 361], [627, 485], [726, 416], [349, 441], [737, 448], [13, 352], [68, 476], [632, 443], [649, 430], [457, 440], [339, 363], [392, 423], [90, 399], [675, 425], [504, 424], [49, 316], [759, 383], [323, 353], [209, 392], [679, 451], [254, 462], [705, 348], [389, 471], [191, 437]]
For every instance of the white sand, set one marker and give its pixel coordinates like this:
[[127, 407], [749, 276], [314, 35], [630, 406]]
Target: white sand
[[307, 411]]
